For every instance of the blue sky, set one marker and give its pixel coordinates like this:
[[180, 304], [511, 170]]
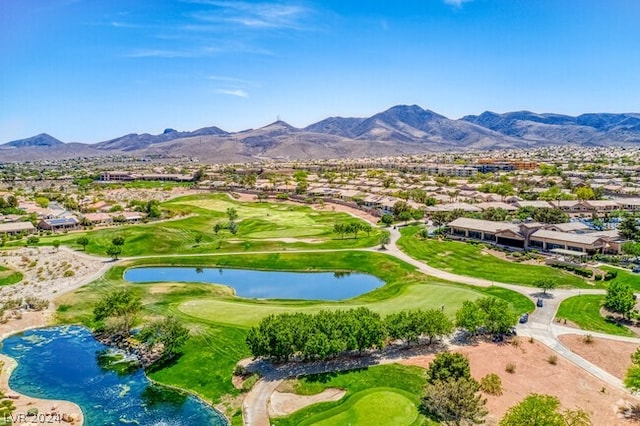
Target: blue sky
[[90, 70]]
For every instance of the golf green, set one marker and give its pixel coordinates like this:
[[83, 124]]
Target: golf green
[[378, 406]]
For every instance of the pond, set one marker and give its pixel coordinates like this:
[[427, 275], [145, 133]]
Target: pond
[[266, 284], [67, 363]]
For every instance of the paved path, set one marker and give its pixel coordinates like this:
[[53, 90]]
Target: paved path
[[540, 326]]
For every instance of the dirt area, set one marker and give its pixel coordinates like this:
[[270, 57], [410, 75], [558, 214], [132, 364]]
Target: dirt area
[[322, 207], [49, 272], [612, 356], [284, 403], [124, 195], [535, 374], [49, 411]]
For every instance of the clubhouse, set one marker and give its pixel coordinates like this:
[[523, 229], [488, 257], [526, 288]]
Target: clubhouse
[[564, 238]]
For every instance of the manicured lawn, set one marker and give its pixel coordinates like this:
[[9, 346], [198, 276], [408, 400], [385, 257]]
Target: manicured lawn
[[379, 406], [584, 311], [624, 276], [219, 322], [375, 395], [248, 313], [468, 259], [8, 276], [261, 226]]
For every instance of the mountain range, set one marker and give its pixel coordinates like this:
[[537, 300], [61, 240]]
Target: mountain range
[[402, 129]]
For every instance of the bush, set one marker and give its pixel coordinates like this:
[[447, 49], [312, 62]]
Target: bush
[[491, 384], [69, 273], [553, 359], [249, 382], [588, 339], [610, 275], [510, 368]]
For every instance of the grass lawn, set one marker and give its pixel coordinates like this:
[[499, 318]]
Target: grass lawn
[[584, 311], [8, 276], [261, 227], [379, 406], [624, 276], [380, 395], [219, 324], [468, 259]]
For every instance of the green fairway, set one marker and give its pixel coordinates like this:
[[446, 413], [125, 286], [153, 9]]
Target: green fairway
[[8, 276], [218, 320], [380, 395], [469, 259], [379, 406], [262, 226], [239, 312], [584, 311]]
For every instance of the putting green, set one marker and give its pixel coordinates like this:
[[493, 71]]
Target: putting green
[[247, 313], [378, 406]]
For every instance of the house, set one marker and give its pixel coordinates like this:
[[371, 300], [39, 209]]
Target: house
[[581, 243], [59, 224], [98, 218], [17, 228], [575, 227], [534, 235]]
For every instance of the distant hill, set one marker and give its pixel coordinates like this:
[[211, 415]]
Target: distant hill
[[402, 129], [42, 139]]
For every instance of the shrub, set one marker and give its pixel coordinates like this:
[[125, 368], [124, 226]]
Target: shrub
[[69, 273], [491, 384], [553, 359], [510, 368], [588, 339], [250, 382], [610, 275]]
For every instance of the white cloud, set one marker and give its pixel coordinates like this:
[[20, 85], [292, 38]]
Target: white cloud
[[235, 92], [457, 3], [254, 15]]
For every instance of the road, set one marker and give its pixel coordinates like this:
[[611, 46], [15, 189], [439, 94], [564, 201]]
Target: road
[[540, 326]]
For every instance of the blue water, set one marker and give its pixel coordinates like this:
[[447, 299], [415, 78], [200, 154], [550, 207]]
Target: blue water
[[61, 363], [266, 284]]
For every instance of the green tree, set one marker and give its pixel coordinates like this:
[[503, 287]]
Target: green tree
[[55, 244], [629, 228], [543, 410], [122, 305], [118, 241], [439, 218], [83, 241], [448, 365], [632, 378], [169, 334], [585, 193], [232, 214], [455, 402], [32, 240], [620, 298], [384, 240], [386, 219], [498, 315], [470, 317], [366, 228], [399, 207], [42, 202], [114, 251], [340, 229], [631, 248], [233, 227], [198, 238], [217, 228], [545, 284], [550, 215]]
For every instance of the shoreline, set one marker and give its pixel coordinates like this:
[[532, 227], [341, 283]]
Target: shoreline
[[49, 410]]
